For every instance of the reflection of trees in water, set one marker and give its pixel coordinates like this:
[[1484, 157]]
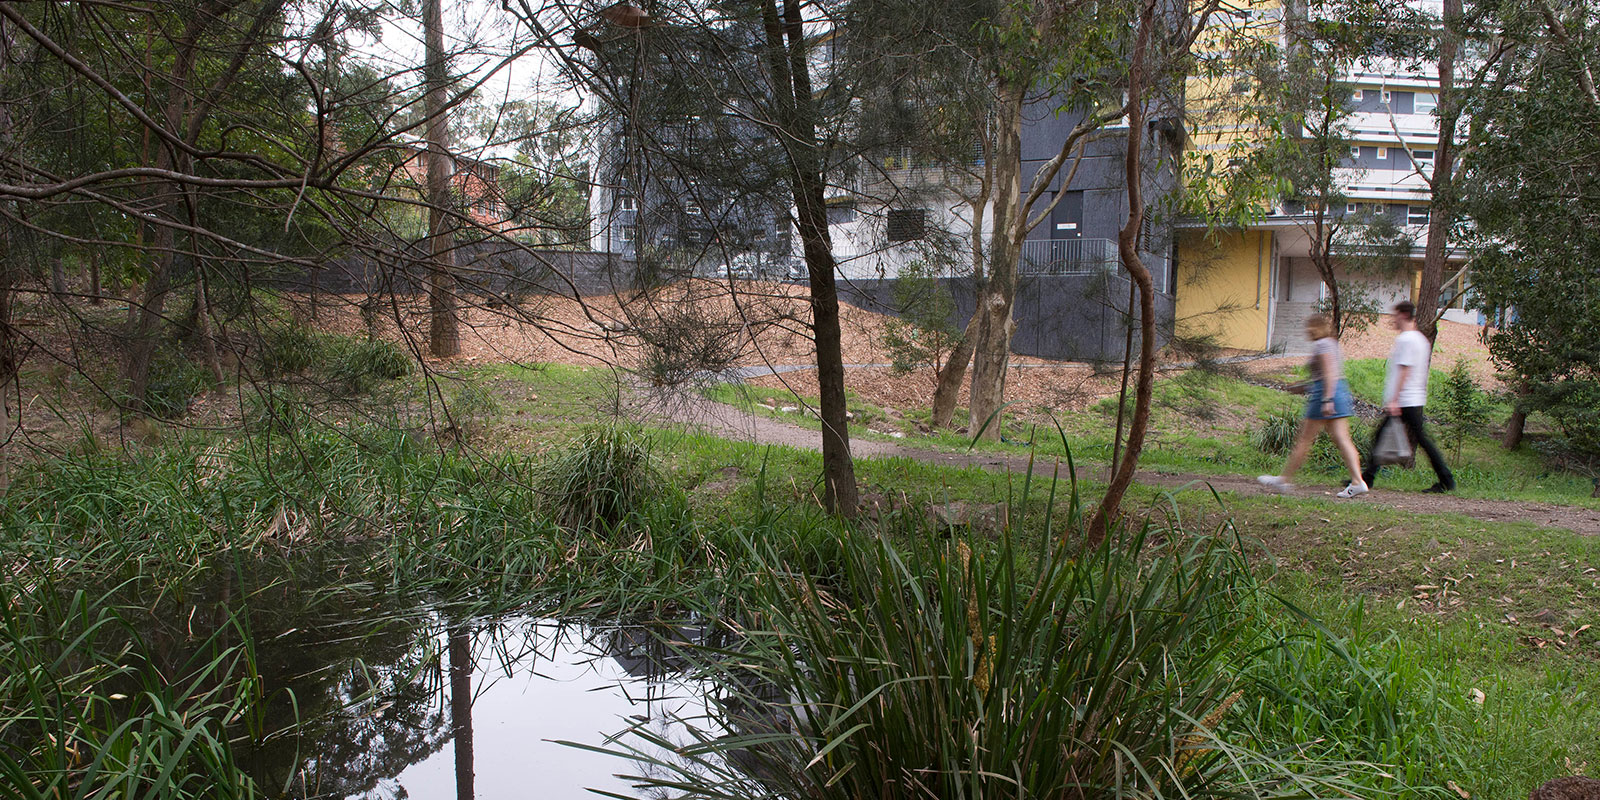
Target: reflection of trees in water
[[461, 669], [353, 692], [349, 703], [344, 687]]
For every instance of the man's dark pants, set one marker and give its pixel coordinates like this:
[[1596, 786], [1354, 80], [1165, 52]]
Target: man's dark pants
[[1411, 417]]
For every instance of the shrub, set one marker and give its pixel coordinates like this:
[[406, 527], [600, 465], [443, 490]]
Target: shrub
[[471, 406], [601, 477], [1463, 405], [1574, 404], [924, 334], [356, 366], [689, 342], [1276, 435], [288, 349], [174, 382]]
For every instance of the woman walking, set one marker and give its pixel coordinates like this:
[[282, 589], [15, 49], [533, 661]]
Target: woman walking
[[1328, 407]]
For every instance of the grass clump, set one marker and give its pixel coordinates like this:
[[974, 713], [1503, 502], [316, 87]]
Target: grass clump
[[599, 478], [357, 365], [290, 349], [926, 669], [175, 382], [1276, 434]]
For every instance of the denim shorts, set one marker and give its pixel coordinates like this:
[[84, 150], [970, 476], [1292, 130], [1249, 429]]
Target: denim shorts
[[1343, 404]]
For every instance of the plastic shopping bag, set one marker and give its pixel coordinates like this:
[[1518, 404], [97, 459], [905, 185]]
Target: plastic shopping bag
[[1393, 446]]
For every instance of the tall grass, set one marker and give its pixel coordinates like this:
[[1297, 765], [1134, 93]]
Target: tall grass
[[1358, 697], [933, 669], [85, 712], [600, 477]]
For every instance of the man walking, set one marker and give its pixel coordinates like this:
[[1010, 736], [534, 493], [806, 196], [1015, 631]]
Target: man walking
[[1405, 391]]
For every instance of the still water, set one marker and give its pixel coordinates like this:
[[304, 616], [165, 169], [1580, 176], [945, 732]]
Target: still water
[[477, 709]]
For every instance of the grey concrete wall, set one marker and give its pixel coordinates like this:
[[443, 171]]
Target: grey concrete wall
[[491, 268], [1060, 317]]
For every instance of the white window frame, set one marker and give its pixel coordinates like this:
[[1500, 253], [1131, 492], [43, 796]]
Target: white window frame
[[692, 208], [629, 233], [1356, 95], [1351, 208], [627, 202], [1387, 96], [1355, 151], [1422, 162], [1419, 106], [1383, 154], [1411, 214]]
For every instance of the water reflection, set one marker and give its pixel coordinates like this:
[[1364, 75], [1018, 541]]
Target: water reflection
[[429, 707]]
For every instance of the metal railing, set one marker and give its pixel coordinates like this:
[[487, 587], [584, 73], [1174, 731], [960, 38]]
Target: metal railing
[[1068, 257]]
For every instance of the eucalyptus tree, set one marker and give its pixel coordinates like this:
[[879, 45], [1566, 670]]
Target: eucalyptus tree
[[220, 141], [748, 112], [1530, 188]]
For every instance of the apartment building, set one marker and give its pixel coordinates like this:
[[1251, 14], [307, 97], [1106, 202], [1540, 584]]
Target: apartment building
[[1251, 288], [1072, 297], [682, 181]]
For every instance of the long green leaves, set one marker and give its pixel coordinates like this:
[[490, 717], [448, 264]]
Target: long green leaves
[[935, 669]]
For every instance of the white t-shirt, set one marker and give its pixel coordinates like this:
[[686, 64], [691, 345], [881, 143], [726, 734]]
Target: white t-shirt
[[1411, 349]]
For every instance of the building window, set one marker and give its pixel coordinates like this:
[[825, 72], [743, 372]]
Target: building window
[[1355, 152], [1424, 103], [1387, 96], [1357, 95], [1423, 159], [1383, 153], [627, 202], [907, 224], [1416, 215], [694, 236], [630, 233], [692, 208], [1351, 208]]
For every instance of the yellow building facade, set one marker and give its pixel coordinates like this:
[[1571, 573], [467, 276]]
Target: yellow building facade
[[1224, 288]]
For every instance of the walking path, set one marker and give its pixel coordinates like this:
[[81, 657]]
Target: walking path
[[729, 422]]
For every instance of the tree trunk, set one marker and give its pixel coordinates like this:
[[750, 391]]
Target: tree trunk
[[952, 377], [8, 342], [796, 111], [1442, 209], [1122, 393], [1514, 427], [838, 467], [202, 325], [1127, 246], [444, 334], [95, 294], [461, 668], [8, 339], [1518, 420], [58, 280], [991, 353], [148, 315]]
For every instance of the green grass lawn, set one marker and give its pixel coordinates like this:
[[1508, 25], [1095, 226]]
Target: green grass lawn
[[1203, 423], [1458, 651], [1435, 611]]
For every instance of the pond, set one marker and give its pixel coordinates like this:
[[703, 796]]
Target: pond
[[376, 711]]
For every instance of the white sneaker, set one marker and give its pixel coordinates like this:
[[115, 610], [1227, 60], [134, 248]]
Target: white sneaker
[[1274, 483], [1353, 490]]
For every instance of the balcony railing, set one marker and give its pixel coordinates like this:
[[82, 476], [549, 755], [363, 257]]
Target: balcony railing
[[1068, 257]]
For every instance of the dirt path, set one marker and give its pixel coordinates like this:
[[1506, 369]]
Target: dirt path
[[724, 420]]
